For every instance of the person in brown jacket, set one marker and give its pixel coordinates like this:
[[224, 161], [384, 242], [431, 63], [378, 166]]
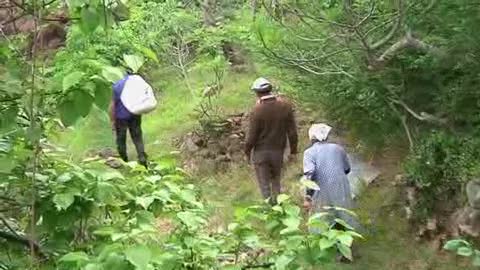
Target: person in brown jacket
[[272, 121]]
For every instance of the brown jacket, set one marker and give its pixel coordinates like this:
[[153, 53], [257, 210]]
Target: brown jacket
[[271, 122]]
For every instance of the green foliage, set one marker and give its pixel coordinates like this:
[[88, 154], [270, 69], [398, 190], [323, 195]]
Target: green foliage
[[464, 249], [438, 168]]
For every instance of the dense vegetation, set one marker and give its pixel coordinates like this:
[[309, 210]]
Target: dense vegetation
[[397, 72]]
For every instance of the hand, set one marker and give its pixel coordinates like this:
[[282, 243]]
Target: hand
[[307, 204]]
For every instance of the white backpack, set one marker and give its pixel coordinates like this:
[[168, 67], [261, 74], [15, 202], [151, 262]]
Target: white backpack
[[137, 95]]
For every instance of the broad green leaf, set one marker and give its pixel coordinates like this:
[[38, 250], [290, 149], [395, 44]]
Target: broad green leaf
[[282, 198], [72, 79], [465, 251], [345, 239], [63, 200], [139, 256], [106, 193], [325, 243], [345, 251], [148, 53], [283, 261], [90, 19], [94, 266], [114, 261], [291, 222], [344, 224], [134, 62], [309, 184], [112, 74], [292, 210], [77, 257], [83, 102], [191, 219], [67, 112], [104, 231], [453, 245], [145, 201], [103, 95]]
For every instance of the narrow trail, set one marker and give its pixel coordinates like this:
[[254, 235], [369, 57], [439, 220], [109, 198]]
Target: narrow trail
[[389, 240], [389, 244]]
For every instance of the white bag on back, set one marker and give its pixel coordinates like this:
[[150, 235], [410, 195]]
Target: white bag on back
[[137, 96]]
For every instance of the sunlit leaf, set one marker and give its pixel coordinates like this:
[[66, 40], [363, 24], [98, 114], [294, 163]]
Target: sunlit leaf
[[282, 198], [148, 53], [144, 201], [455, 244], [77, 257], [325, 243], [72, 79], [309, 184], [345, 251], [112, 74], [465, 251], [63, 200], [345, 239], [283, 261], [134, 62], [139, 256]]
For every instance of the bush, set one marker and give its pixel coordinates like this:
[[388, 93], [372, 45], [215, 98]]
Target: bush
[[438, 168]]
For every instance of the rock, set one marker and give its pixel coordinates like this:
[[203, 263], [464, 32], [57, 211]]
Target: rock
[[411, 195], [106, 153], [469, 222], [223, 158], [473, 193], [189, 145], [398, 180], [432, 224], [408, 212], [114, 163]]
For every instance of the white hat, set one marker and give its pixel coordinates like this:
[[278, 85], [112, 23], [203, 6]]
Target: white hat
[[261, 84], [319, 132]]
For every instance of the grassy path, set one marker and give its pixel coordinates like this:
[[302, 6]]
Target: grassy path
[[389, 244]]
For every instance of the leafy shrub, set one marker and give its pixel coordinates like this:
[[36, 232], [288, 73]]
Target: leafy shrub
[[438, 168]]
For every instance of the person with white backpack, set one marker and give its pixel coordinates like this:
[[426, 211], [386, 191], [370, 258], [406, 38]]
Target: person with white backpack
[[132, 97]]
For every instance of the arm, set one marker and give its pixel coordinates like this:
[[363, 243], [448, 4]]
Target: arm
[[253, 133], [292, 132], [308, 172]]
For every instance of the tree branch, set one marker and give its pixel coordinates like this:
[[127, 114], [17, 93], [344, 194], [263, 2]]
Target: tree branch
[[394, 28], [408, 41], [423, 116]]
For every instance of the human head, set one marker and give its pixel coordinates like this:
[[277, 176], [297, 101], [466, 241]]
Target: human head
[[262, 86], [319, 132]]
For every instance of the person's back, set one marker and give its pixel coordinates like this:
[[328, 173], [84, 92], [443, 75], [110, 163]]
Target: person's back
[[330, 161], [272, 121], [123, 120]]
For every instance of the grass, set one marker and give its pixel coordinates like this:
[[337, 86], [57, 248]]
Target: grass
[[389, 245]]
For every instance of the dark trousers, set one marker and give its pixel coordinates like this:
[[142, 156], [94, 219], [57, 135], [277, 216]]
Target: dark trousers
[[268, 169], [134, 126]]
